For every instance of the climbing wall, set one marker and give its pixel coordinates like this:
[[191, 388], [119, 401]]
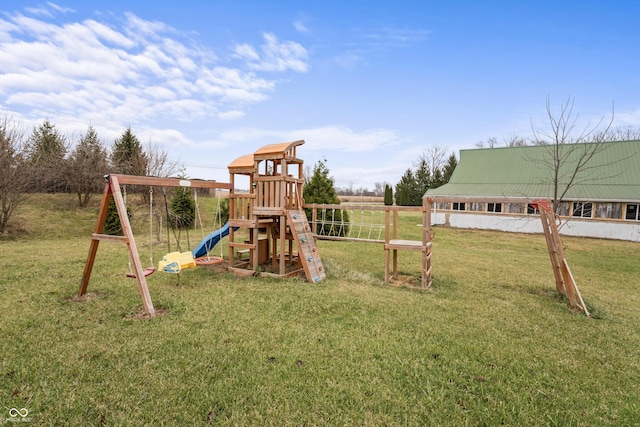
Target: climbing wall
[[307, 250]]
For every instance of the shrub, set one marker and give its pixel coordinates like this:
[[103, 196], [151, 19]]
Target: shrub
[[183, 208]]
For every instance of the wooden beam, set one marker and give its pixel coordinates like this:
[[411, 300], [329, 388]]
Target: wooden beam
[[481, 199], [109, 238], [167, 182]]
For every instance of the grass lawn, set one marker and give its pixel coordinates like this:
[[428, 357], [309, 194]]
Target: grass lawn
[[490, 344]]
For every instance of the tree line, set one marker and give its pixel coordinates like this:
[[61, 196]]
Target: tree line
[[45, 161], [431, 170]]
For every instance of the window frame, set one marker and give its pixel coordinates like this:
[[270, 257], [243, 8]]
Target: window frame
[[626, 212], [579, 209], [497, 207]]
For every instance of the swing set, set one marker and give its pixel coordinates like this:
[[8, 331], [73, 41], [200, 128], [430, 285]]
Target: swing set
[[113, 190]]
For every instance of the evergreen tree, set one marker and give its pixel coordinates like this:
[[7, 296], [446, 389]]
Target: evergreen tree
[[183, 207], [87, 167], [407, 192], [423, 178], [112, 223], [437, 179], [320, 189], [224, 210], [127, 156], [448, 169], [388, 195], [46, 151]]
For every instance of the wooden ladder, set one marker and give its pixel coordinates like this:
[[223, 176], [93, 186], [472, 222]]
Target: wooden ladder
[[307, 250]]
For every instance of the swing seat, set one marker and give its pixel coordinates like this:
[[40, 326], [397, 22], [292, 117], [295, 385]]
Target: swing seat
[[147, 272], [174, 262], [209, 260]]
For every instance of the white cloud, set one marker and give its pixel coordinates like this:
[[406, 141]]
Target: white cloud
[[628, 118], [389, 37], [275, 55], [336, 138], [231, 115], [322, 139], [300, 27], [60, 9], [246, 52], [379, 41], [129, 70]]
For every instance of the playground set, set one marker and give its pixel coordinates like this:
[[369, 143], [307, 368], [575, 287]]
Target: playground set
[[270, 236]]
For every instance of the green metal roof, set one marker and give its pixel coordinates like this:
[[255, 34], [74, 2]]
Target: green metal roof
[[612, 174]]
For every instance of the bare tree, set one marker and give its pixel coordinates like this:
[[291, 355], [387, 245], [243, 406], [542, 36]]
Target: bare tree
[[380, 188], [515, 141], [435, 157], [622, 133], [569, 152], [489, 143], [507, 141], [159, 164], [15, 174]]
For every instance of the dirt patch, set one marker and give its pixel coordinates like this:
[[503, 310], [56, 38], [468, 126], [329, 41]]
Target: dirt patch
[[86, 297], [405, 281], [217, 267], [142, 315]]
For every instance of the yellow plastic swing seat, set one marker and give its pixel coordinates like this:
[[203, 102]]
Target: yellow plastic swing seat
[[174, 262]]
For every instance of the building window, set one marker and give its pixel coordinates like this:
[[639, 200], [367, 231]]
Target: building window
[[582, 210], [494, 207], [564, 208], [478, 207], [516, 208], [458, 206], [532, 209], [633, 212], [608, 210]]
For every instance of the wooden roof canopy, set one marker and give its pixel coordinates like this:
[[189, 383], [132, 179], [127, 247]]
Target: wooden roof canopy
[[244, 164], [283, 150]]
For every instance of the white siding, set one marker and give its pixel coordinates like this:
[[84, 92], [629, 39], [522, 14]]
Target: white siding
[[618, 230]]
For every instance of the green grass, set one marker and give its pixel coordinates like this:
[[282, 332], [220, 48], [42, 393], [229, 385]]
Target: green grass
[[490, 344]]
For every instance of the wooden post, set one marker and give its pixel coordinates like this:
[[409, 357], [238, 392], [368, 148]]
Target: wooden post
[[426, 242], [386, 242], [232, 216], [395, 237], [93, 248], [283, 238]]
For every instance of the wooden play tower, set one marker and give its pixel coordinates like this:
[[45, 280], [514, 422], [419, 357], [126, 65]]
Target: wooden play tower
[[269, 232]]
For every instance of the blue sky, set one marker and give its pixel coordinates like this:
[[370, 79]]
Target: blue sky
[[368, 85]]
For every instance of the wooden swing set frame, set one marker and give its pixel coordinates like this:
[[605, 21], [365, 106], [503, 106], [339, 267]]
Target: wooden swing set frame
[[112, 190]]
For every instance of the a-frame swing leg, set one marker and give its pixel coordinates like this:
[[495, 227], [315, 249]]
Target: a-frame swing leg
[[112, 189], [93, 248]]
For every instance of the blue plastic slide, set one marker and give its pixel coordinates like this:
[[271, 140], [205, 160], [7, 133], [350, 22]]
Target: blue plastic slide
[[209, 242]]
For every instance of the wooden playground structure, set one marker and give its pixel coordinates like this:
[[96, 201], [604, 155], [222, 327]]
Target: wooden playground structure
[[264, 222], [270, 236], [271, 213], [565, 283]]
